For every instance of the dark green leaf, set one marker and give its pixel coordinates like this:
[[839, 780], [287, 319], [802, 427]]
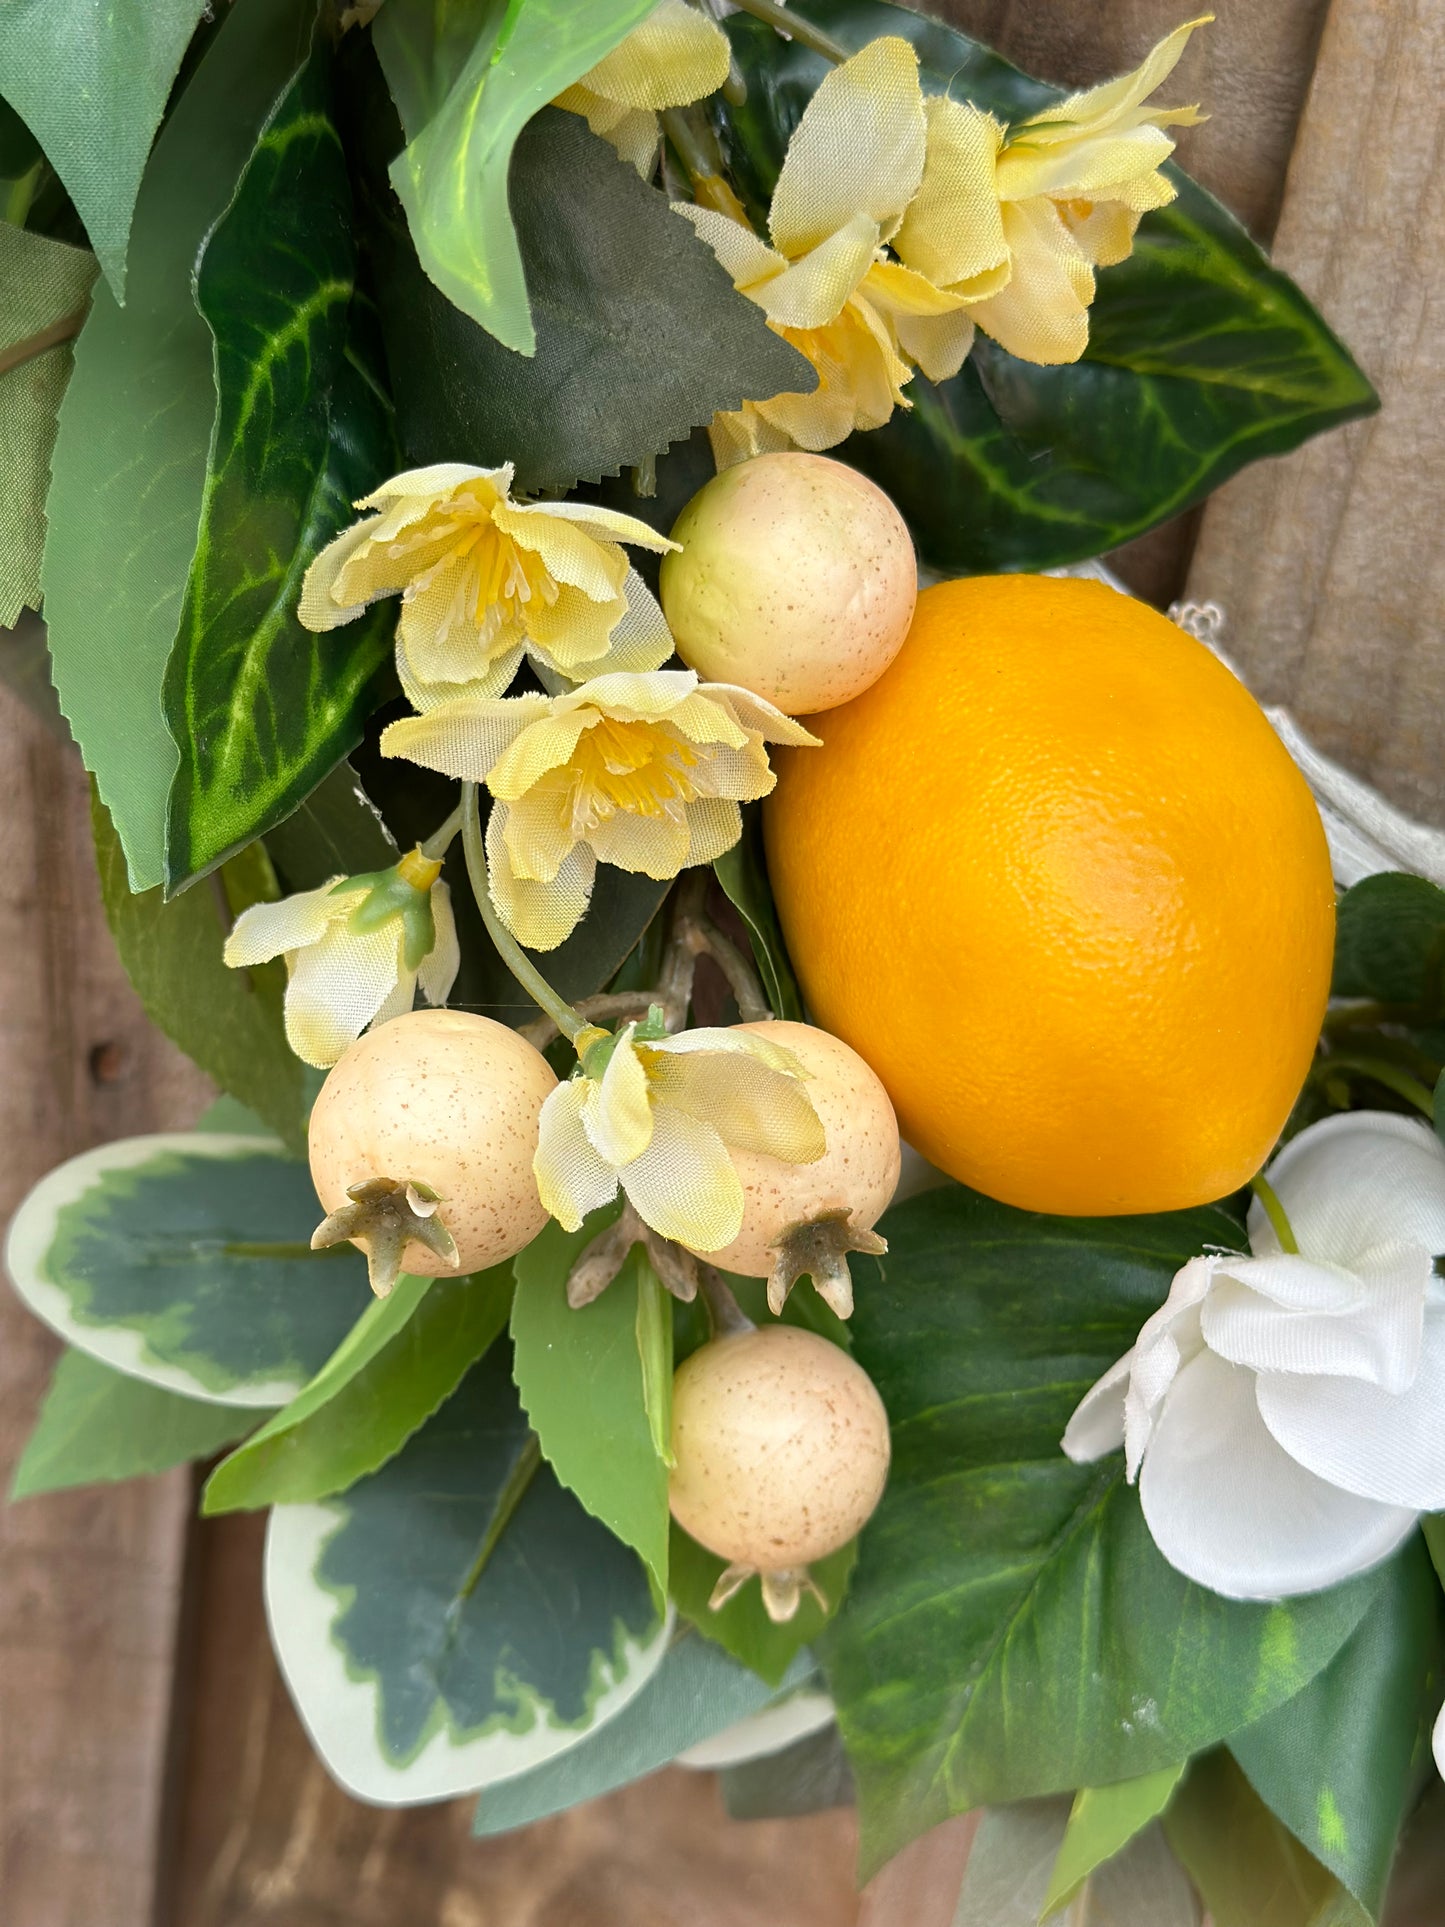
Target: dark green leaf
[[19, 149], [580, 1377], [260, 707], [405, 1354], [184, 1260], [640, 336], [1337, 1763], [743, 873], [92, 83], [1433, 1526], [42, 283], [456, 1617], [229, 1021], [1249, 1869], [1201, 357], [1390, 941], [337, 831], [1102, 1822], [810, 1776], [696, 1692], [98, 1425], [1012, 1629], [130, 460], [466, 80], [742, 1625]]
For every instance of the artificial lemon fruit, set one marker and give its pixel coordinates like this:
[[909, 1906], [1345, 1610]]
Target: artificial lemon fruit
[[1056, 878]]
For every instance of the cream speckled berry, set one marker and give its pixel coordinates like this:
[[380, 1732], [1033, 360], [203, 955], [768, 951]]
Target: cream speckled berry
[[857, 1173], [796, 578], [446, 1099], [781, 1447]]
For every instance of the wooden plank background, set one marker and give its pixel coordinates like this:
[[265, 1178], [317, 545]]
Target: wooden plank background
[[152, 1772]]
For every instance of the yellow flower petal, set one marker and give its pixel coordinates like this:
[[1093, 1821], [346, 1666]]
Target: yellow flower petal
[[938, 343], [811, 292], [425, 695], [617, 1114], [568, 551], [607, 525], [684, 1184], [439, 967], [714, 825], [641, 641], [674, 56], [1115, 102], [267, 930], [544, 745], [654, 846], [538, 831], [858, 149], [440, 478], [953, 231], [1043, 313], [539, 915], [1098, 168], [750, 261], [465, 737], [758, 714], [1105, 235], [749, 1104], [571, 1178], [318, 608], [338, 985]]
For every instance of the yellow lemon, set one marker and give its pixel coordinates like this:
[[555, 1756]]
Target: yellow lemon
[[1056, 878]]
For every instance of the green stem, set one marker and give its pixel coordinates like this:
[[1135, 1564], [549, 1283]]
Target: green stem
[[694, 148], [1274, 1210], [441, 838], [21, 196], [43, 340], [803, 31], [567, 1020], [1382, 1072]]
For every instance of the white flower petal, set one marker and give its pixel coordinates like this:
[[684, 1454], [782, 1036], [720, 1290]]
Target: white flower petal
[[267, 930], [617, 1114], [1097, 1425], [571, 1178], [1380, 1445], [1357, 1181], [1229, 1508], [1287, 1314], [684, 1184]]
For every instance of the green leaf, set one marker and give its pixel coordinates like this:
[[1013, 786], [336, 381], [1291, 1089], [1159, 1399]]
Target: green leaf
[[1102, 1822], [229, 1021], [696, 1692], [406, 1353], [742, 1626], [130, 459], [581, 1380], [654, 1352], [260, 707], [1201, 357], [640, 334], [743, 873], [463, 108], [337, 831], [1433, 1526], [92, 83], [98, 1425], [1249, 1868], [1008, 1872], [1337, 1763], [456, 1618], [183, 1259], [1012, 1629], [43, 284], [1390, 941]]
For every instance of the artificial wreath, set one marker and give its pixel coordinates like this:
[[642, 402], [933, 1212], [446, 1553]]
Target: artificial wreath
[[906, 1200]]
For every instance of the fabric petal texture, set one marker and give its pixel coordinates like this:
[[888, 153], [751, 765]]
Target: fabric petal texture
[[684, 1184], [573, 1178]]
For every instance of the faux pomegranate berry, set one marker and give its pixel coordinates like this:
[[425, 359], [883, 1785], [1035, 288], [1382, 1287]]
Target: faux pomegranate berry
[[781, 1449], [796, 578], [422, 1142]]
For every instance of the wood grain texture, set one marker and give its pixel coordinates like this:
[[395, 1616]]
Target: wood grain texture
[[266, 1840], [1328, 563], [89, 1580]]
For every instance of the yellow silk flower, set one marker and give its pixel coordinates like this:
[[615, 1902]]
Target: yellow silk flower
[[643, 771], [656, 1115], [853, 165], [356, 949], [675, 56], [484, 579], [1018, 219]]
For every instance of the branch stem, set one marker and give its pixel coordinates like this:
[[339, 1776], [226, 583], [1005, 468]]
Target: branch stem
[[443, 836], [568, 1021], [803, 31], [1392, 1076], [43, 340]]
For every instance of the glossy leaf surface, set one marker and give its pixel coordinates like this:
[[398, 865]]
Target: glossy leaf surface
[[1011, 1629], [743, 873], [260, 708], [1201, 358]]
